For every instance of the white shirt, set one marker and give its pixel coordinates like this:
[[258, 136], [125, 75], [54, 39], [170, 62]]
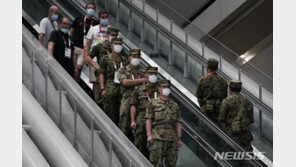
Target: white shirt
[[46, 27], [97, 34]]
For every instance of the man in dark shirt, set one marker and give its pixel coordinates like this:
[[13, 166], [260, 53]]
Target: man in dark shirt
[[61, 47], [78, 31]]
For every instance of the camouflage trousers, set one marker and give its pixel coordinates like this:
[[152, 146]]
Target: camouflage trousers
[[125, 118], [244, 139], [162, 150], [111, 103], [140, 136]]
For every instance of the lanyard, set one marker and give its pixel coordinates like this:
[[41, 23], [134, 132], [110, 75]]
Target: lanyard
[[52, 25], [84, 29], [134, 77], [65, 41], [108, 51], [155, 95]]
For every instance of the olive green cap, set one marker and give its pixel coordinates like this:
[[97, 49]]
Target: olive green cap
[[151, 69], [164, 82], [213, 63], [135, 52], [116, 40], [113, 31], [235, 84]]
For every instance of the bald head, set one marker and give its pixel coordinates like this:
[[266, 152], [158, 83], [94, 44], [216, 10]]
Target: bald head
[[53, 10]]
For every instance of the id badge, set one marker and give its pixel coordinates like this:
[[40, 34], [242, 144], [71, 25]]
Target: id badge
[[115, 77], [68, 53]]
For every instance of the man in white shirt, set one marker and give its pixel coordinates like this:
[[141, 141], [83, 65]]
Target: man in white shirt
[[96, 34], [48, 24]]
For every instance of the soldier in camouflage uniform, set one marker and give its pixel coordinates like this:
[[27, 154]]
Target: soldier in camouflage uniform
[[163, 128], [109, 84], [129, 76], [236, 116], [211, 90], [99, 51], [139, 102]]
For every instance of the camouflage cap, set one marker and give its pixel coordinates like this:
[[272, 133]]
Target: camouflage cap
[[164, 82], [151, 69], [213, 63], [235, 84], [113, 31], [135, 52], [116, 40]]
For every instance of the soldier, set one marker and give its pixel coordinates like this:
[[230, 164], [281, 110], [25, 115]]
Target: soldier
[[211, 90], [163, 128], [100, 50], [236, 116], [109, 84], [139, 102], [129, 77]]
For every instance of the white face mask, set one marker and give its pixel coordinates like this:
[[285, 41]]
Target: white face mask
[[117, 48], [166, 91], [135, 61], [152, 78]]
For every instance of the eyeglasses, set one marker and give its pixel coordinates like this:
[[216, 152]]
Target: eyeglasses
[[66, 24]]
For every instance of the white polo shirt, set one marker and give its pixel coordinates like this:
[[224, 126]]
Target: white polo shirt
[[46, 27], [97, 34]]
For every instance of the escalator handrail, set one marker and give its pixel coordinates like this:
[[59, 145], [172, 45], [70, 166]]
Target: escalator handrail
[[258, 103]]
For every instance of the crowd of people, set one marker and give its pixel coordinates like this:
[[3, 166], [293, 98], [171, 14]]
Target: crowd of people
[[133, 98]]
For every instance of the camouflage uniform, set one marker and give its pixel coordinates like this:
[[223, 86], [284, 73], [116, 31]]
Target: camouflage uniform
[[211, 89], [141, 101], [237, 113], [164, 115], [112, 102], [99, 51], [126, 93]]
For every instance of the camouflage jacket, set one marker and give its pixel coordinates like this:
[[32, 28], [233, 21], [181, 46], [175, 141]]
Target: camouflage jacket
[[128, 73], [100, 50], [236, 108], [163, 113], [211, 87], [139, 97], [108, 68]]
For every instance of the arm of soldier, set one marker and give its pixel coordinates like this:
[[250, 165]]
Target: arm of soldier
[[101, 72], [149, 116], [250, 111], [178, 127], [223, 114], [133, 110], [198, 92], [133, 115], [130, 82]]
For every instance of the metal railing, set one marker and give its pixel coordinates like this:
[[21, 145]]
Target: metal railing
[[200, 46], [87, 109]]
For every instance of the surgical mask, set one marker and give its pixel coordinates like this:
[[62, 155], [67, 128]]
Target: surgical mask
[[104, 22], [65, 31], [166, 91], [90, 12], [117, 48], [152, 78], [54, 17], [135, 61]]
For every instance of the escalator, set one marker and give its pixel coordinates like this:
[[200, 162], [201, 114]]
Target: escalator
[[193, 137]]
